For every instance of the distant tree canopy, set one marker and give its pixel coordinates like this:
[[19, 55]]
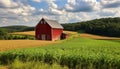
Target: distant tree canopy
[[3, 34], [11, 29], [103, 26]]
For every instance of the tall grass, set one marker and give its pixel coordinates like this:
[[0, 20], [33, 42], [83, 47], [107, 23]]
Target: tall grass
[[75, 53]]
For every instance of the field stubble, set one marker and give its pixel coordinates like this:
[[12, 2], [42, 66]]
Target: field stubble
[[15, 44]]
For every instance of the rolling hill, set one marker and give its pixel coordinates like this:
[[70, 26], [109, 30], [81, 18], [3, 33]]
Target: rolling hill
[[17, 28], [103, 26]]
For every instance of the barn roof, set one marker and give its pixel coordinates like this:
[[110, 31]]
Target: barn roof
[[53, 24]]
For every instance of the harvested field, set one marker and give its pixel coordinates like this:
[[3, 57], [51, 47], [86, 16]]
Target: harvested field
[[85, 35], [25, 33], [14, 44], [70, 32]]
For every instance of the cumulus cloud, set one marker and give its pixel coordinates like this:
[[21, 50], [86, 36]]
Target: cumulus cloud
[[110, 3], [7, 4], [43, 0], [80, 5], [14, 11], [22, 12], [52, 9], [106, 12], [16, 7]]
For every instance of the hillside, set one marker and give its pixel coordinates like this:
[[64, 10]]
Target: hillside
[[17, 28], [103, 26]]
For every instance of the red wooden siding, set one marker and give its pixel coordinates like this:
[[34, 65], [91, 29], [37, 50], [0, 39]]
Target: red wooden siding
[[43, 29], [56, 34]]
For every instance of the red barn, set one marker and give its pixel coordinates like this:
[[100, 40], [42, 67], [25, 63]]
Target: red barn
[[48, 30]]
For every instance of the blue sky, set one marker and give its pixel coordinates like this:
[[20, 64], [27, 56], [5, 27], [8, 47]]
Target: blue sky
[[29, 12]]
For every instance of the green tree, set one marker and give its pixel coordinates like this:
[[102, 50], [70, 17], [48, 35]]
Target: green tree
[[3, 34]]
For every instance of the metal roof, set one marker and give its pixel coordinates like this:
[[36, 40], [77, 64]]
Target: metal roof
[[53, 23]]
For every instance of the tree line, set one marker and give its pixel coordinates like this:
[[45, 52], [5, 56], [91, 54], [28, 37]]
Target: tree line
[[103, 26], [4, 35]]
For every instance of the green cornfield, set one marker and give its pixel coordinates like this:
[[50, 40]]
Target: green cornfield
[[75, 53]]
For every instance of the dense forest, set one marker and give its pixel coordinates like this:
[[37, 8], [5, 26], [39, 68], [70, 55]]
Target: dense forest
[[103, 26]]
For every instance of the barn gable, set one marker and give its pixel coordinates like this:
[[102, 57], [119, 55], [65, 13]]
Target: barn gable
[[52, 23]]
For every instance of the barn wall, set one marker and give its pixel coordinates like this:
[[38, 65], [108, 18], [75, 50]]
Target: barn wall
[[56, 34], [43, 29]]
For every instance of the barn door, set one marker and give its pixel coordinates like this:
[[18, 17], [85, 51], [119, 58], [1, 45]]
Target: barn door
[[43, 36]]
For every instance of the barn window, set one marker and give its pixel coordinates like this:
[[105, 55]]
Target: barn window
[[44, 22], [41, 22]]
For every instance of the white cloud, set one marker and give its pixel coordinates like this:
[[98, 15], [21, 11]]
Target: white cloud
[[43, 0], [7, 4], [52, 9], [107, 12], [110, 3], [20, 12], [19, 7], [81, 5], [37, 0], [15, 12]]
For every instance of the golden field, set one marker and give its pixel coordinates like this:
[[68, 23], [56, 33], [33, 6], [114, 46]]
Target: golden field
[[14, 44], [25, 33], [85, 35]]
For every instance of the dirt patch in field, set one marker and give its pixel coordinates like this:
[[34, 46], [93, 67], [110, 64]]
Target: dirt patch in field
[[85, 35], [15, 44]]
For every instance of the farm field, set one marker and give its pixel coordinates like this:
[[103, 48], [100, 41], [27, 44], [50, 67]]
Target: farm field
[[25, 33], [15, 44], [74, 53]]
